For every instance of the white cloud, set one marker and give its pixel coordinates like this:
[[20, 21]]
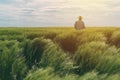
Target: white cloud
[[61, 12]]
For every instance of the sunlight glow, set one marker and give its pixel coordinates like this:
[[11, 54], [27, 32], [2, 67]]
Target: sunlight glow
[[62, 12]]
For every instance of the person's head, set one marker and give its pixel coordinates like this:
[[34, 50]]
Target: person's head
[[80, 17]]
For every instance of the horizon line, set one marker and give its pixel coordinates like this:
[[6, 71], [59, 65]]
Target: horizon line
[[49, 26]]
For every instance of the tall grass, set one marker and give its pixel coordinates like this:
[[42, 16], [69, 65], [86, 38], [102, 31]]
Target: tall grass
[[33, 51], [12, 65], [59, 54], [48, 74], [97, 56], [54, 57], [115, 39], [68, 42]]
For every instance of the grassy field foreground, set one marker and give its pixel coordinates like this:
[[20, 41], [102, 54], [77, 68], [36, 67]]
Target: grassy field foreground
[[59, 54]]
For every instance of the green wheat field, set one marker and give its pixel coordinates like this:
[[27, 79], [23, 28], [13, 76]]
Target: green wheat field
[[60, 53]]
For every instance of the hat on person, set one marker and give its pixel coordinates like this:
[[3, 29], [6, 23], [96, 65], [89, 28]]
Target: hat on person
[[80, 17]]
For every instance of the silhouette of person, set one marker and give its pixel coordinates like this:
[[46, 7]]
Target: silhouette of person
[[79, 24]]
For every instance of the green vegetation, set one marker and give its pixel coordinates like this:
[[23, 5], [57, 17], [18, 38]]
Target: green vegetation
[[59, 54]]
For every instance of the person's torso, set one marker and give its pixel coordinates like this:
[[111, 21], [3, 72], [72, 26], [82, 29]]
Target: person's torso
[[79, 24]]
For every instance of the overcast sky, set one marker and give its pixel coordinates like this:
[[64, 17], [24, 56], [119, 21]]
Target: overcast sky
[[59, 12]]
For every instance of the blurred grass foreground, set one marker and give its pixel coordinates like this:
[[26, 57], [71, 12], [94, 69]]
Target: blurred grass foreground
[[60, 54]]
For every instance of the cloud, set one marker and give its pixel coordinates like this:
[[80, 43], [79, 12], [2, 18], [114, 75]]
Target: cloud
[[59, 12]]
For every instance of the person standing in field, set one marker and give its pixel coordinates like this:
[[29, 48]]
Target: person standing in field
[[79, 24]]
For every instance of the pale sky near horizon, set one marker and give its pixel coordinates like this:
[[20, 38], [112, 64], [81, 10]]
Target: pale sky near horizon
[[59, 12]]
